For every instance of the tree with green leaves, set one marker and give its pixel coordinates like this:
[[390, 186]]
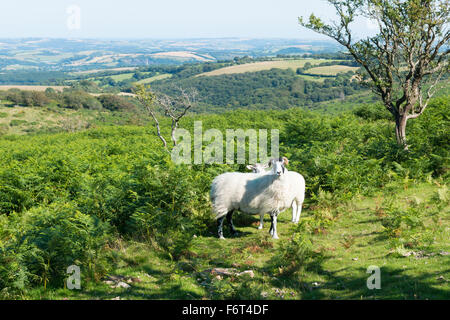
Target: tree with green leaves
[[404, 62]]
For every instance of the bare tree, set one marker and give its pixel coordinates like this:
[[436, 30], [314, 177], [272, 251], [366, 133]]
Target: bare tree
[[148, 99], [162, 104], [176, 107], [406, 59]]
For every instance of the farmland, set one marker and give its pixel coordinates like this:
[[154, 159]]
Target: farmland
[[155, 78], [75, 55], [331, 70], [263, 65], [32, 88]]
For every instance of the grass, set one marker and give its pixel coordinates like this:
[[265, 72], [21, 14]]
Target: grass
[[155, 78], [53, 118], [116, 77], [331, 70], [342, 253], [103, 70], [123, 76], [311, 78], [129, 75], [30, 118], [262, 65], [349, 103], [31, 88]]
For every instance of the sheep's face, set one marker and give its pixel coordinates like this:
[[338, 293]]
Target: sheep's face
[[278, 165], [257, 167]]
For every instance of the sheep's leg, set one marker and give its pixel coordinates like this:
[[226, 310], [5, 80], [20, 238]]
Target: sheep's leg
[[261, 221], [294, 211], [299, 211], [220, 227], [273, 227], [230, 222]]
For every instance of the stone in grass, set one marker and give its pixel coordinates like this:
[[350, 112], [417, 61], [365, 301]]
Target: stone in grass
[[121, 285], [230, 272], [120, 281], [442, 278]]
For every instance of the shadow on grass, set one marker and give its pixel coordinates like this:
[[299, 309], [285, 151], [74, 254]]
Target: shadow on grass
[[345, 283], [352, 284], [171, 292], [156, 285]]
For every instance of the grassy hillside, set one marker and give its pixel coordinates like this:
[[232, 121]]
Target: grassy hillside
[[267, 89], [110, 200], [26, 120], [336, 270], [33, 88], [262, 65], [155, 78], [331, 70]]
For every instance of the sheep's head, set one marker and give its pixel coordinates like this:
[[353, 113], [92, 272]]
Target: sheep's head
[[278, 165], [257, 167]]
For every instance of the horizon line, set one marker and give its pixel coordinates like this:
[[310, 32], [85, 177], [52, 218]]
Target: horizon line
[[166, 38]]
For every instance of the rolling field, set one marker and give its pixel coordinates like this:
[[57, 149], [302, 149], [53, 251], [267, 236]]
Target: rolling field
[[32, 88], [23, 120], [331, 70], [263, 65], [129, 75], [155, 78], [103, 70]]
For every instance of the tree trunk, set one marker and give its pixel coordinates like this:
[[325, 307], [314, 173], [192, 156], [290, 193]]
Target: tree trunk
[[400, 130]]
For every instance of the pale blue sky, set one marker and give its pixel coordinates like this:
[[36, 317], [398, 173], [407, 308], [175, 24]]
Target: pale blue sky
[[162, 18]]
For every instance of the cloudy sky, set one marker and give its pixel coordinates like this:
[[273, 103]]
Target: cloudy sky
[[162, 18]]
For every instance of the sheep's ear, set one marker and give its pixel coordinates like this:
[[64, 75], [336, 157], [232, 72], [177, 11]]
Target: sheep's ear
[[250, 167], [285, 161]]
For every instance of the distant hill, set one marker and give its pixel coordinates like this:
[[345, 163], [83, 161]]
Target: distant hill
[[47, 54]]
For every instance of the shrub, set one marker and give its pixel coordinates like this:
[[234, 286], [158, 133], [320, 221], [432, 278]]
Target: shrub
[[373, 112], [169, 206], [294, 254], [115, 103], [76, 99], [17, 122], [36, 247], [27, 98], [405, 227], [243, 288], [172, 232]]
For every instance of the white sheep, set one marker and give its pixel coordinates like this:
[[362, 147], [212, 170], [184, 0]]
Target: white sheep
[[299, 184], [254, 194]]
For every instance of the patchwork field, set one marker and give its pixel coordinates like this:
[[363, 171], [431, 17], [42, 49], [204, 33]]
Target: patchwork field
[[331, 70], [183, 55], [32, 88], [155, 78], [103, 70], [263, 65]]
